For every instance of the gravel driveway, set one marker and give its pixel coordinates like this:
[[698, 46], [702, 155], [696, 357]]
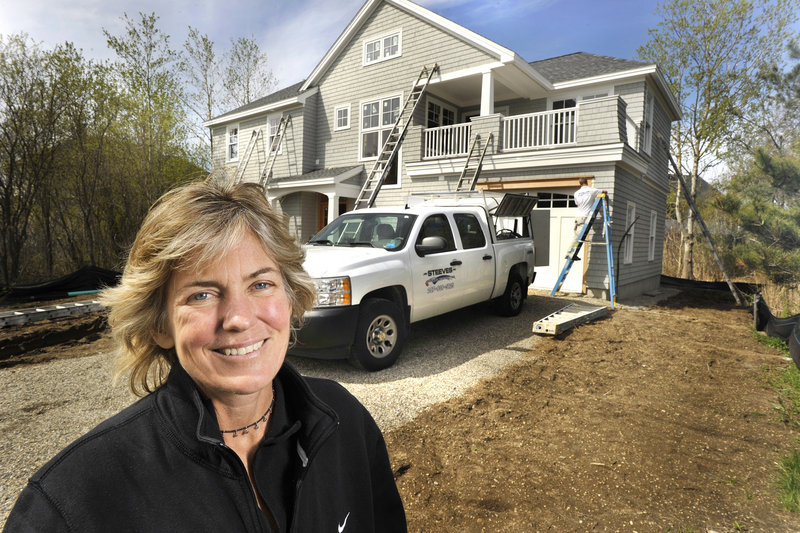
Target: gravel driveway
[[45, 407]]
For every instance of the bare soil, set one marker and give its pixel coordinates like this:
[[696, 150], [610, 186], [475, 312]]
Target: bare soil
[[654, 419]]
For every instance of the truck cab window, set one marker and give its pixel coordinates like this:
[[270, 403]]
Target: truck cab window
[[469, 229], [437, 226]]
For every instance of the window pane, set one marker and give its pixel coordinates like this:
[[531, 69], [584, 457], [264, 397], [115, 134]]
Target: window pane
[[390, 108], [370, 115], [369, 144], [373, 51], [448, 117], [342, 118], [437, 226], [391, 45], [470, 231], [434, 112]]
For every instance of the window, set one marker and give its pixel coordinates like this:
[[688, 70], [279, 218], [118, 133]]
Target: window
[[382, 48], [651, 242], [341, 117], [232, 143], [437, 226], [377, 120], [440, 115], [630, 220], [593, 96], [647, 126], [554, 200], [564, 104], [273, 123], [469, 229]]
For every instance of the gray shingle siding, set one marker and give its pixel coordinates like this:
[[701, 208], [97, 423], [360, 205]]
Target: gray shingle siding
[[349, 81]]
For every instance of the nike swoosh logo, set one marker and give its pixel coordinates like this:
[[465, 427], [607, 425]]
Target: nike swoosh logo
[[343, 524]]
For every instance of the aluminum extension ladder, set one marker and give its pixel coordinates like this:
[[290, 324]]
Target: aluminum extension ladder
[[273, 149], [469, 174], [600, 206], [375, 178]]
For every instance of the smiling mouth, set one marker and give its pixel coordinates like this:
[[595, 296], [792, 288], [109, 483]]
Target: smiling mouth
[[241, 351]]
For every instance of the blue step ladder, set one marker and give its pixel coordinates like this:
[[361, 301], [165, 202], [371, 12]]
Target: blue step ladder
[[600, 205]]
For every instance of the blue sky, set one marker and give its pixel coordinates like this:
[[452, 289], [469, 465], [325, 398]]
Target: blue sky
[[297, 33]]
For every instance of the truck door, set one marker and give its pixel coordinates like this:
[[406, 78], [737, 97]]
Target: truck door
[[436, 278], [477, 257]]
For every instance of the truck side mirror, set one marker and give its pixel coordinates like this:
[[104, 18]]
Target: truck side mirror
[[431, 245]]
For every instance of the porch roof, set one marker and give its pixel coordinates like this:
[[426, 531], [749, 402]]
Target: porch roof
[[349, 175]]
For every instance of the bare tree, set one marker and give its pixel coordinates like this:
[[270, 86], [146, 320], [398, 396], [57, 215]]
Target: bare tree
[[247, 75], [711, 52]]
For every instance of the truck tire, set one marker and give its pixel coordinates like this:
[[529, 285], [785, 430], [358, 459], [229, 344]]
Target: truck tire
[[380, 335], [510, 303]]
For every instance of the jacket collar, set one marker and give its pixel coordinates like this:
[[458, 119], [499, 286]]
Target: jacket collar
[[189, 415]]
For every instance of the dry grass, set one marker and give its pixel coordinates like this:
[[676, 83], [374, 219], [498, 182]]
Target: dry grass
[[783, 300]]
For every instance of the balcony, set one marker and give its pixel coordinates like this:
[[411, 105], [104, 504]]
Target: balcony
[[602, 121]]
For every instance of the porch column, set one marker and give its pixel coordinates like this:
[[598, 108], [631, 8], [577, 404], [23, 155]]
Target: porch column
[[487, 94], [333, 206]]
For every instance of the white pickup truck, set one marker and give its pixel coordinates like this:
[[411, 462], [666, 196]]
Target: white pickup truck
[[378, 270]]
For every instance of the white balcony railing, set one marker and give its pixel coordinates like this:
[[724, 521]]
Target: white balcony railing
[[539, 130], [447, 141]]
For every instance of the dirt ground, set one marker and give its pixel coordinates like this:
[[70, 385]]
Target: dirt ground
[[655, 420], [648, 420]]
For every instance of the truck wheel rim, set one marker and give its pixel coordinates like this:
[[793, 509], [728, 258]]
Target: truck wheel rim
[[381, 336], [516, 296]]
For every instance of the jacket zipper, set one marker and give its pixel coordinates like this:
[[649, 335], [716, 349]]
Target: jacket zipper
[[254, 508], [299, 486]]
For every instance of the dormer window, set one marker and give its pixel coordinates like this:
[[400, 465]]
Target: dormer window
[[382, 48]]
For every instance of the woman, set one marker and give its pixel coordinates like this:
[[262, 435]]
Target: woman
[[229, 437]]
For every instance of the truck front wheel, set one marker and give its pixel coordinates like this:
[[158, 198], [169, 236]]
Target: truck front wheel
[[510, 303], [380, 335]]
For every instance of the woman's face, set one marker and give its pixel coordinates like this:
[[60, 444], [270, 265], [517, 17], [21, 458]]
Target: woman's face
[[229, 321]]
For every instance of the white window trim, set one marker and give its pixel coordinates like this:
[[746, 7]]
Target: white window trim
[[651, 243], [336, 110], [381, 38], [630, 216], [399, 156], [581, 96], [278, 117], [443, 106], [228, 129], [379, 128]]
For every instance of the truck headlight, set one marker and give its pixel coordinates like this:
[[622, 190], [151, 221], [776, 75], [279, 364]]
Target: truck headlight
[[332, 291]]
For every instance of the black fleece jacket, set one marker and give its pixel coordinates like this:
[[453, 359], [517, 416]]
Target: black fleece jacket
[[160, 465]]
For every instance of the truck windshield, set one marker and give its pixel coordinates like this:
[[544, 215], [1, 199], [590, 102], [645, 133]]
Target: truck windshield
[[379, 230]]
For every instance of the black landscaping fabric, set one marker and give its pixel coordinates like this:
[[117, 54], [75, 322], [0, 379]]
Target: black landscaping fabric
[[88, 278], [787, 329]]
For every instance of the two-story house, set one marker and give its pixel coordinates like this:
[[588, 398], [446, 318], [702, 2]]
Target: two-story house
[[543, 125]]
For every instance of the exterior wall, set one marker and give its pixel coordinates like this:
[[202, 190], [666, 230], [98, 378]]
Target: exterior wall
[[642, 273], [658, 167], [301, 211], [309, 133], [348, 81], [598, 121], [633, 95]]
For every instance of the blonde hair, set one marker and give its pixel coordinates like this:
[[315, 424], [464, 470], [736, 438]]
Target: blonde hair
[[192, 225]]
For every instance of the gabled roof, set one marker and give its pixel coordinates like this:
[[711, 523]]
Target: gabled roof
[[583, 65], [500, 53]]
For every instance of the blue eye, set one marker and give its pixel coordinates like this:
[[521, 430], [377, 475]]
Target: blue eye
[[200, 296], [261, 285]]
